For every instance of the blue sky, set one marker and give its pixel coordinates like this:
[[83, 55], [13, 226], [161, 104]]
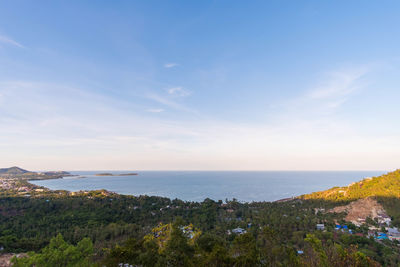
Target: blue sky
[[200, 85]]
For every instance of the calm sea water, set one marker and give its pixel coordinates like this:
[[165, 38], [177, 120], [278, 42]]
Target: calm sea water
[[217, 185]]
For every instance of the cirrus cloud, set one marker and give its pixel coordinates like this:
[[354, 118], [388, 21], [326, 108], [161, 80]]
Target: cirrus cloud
[[9, 41], [170, 65], [178, 91]]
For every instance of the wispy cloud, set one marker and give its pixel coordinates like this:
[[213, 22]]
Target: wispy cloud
[[7, 40], [339, 84], [166, 101], [178, 91], [155, 110], [43, 127], [170, 65], [332, 91]]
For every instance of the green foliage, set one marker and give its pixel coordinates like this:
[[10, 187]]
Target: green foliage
[[334, 255], [59, 253], [178, 252], [245, 251], [386, 186], [316, 245]]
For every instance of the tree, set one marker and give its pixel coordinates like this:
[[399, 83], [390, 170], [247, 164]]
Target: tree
[[245, 250], [59, 253], [177, 251]]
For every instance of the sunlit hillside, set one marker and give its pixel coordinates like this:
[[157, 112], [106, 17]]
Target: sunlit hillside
[[387, 185]]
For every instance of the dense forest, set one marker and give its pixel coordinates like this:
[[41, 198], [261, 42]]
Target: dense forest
[[99, 228]]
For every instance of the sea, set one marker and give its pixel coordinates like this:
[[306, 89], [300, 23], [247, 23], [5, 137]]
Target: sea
[[245, 186]]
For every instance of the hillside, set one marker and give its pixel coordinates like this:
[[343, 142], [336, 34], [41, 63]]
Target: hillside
[[16, 172], [387, 186], [12, 171], [358, 211], [384, 189]]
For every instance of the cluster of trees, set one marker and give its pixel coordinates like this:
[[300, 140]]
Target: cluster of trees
[[207, 250], [59, 253], [119, 227]]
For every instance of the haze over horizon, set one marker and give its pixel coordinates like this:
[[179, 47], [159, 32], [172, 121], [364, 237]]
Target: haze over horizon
[[206, 85]]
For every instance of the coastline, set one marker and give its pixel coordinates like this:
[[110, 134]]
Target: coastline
[[197, 186]]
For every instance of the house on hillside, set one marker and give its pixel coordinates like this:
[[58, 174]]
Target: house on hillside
[[382, 236], [371, 233], [384, 219], [393, 234], [343, 228], [239, 231], [320, 226], [317, 210]]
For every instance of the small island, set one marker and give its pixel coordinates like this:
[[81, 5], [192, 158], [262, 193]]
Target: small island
[[111, 174]]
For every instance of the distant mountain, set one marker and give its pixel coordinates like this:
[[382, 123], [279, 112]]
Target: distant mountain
[[13, 171], [16, 172]]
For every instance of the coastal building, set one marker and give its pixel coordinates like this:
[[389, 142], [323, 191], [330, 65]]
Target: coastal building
[[319, 210], [188, 231], [393, 234], [384, 219], [239, 231], [358, 222], [382, 236], [343, 228], [371, 233]]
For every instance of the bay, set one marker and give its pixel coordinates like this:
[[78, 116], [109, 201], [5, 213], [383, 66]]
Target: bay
[[218, 185]]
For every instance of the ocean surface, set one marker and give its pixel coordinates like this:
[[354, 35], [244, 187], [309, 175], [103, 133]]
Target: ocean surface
[[218, 185]]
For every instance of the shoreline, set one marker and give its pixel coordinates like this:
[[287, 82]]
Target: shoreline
[[106, 191], [28, 188]]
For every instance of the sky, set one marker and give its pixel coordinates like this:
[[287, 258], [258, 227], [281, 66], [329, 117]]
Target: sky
[[200, 85]]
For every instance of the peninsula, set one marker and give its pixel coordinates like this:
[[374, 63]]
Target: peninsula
[[16, 172], [111, 174]]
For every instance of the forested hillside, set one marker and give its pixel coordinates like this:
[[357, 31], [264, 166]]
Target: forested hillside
[[387, 185], [385, 189]]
